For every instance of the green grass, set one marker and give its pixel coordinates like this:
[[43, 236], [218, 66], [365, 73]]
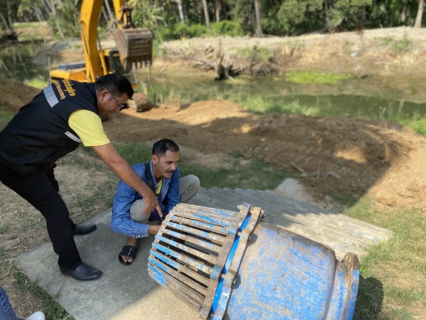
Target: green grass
[[262, 105], [38, 82], [383, 292], [308, 77], [417, 123], [263, 176], [402, 45], [52, 309], [4, 229], [245, 52], [263, 53], [384, 41], [26, 24], [256, 174], [5, 117]]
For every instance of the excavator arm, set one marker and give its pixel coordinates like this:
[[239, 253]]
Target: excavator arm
[[133, 44]]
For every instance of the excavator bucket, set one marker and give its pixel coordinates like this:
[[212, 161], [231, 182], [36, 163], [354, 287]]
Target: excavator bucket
[[134, 46]]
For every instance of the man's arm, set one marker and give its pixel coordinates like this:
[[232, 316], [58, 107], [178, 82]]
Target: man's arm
[[125, 172], [121, 222]]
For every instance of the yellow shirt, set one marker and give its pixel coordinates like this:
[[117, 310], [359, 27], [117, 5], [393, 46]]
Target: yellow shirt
[[88, 126], [159, 185]]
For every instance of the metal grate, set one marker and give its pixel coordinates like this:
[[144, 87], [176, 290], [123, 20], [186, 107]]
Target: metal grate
[[190, 251]]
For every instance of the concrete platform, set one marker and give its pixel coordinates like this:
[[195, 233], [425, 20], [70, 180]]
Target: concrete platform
[[128, 292], [123, 292]]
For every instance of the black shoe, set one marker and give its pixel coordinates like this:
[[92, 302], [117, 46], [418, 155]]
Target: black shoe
[[81, 229], [84, 272]]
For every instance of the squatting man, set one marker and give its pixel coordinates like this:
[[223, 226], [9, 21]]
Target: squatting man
[[129, 214]]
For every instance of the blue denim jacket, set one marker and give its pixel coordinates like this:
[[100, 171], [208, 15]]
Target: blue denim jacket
[[125, 196]]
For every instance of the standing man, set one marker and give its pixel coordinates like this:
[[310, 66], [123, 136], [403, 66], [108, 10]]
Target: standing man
[[54, 123], [129, 214]]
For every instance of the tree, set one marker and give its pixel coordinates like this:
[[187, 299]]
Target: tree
[[217, 8], [180, 7], [339, 11], [259, 31], [30, 8], [206, 14], [293, 13], [419, 17], [146, 14]]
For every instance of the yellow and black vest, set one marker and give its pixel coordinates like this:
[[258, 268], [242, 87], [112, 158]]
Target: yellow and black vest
[[39, 133]]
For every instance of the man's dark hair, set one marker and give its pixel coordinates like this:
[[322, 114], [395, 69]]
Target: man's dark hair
[[116, 83], [161, 146]]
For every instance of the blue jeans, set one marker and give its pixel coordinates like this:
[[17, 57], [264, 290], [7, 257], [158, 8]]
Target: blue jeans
[[6, 310]]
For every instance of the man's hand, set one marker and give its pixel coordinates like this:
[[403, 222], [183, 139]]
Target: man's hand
[[125, 172], [151, 203]]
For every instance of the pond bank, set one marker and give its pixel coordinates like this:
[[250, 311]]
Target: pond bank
[[384, 52]]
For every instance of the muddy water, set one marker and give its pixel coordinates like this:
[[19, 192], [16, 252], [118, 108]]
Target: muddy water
[[16, 61], [376, 98], [373, 97]]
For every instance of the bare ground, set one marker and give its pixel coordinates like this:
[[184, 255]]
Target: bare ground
[[338, 156]]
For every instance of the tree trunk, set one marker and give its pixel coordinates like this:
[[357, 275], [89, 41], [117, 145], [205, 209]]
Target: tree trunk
[[327, 16], [51, 5], [182, 18], [104, 14], [259, 32], [39, 14], [4, 22], [419, 17], [111, 16], [206, 14], [217, 7], [9, 16]]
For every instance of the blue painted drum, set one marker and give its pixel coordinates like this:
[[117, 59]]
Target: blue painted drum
[[232, 265], [287, 276]]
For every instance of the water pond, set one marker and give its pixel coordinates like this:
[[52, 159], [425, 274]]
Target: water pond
[[390, 98]]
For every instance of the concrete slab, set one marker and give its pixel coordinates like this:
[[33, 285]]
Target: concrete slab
[[128, 292], [123, 292], [296, 190]]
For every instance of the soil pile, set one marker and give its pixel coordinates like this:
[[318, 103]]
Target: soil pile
[[341, 157], [346, 157]]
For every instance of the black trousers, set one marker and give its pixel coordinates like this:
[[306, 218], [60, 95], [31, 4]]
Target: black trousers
[[40, 189]]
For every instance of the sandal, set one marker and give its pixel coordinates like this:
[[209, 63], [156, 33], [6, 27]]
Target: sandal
[[129, 251]]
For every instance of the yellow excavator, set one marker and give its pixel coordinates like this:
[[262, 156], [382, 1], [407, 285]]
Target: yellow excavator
[[134, 47]]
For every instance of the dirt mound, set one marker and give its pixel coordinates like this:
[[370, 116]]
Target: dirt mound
[[342, 157], [15, 94]]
